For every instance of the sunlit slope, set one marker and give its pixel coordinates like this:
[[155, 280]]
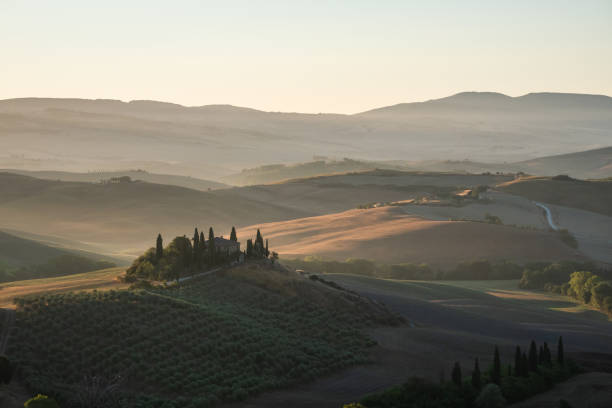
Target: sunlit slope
[[590, 195], [105, 279], [390, 235]]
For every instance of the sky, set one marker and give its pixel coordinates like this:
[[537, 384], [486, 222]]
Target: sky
[[302, 56]]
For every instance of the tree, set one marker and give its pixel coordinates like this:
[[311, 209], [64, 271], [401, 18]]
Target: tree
[[560, 356], [159, 250], [6, 370], [274, 257], [525, 365], [267, 253], [259, 245], [518, 359], [211, 246], [547, 356], [456, 374], [202, 244], [476, 381], [233, 236], [196, 247], [249, 248], [496, 374], [533, 357], [490, 397]]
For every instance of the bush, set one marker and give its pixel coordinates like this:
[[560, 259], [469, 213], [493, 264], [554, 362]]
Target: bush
[[41, 401], [490, 397]]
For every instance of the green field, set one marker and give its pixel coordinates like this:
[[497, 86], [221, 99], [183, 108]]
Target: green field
[[217, 338]]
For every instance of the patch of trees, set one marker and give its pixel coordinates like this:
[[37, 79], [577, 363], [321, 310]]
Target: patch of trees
[[540, 275], [185, 257], [532, 371], [62, 265]]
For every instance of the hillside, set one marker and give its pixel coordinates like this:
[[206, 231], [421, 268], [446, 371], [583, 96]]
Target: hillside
[[590, 195], [390, 235], [257, 328], [595, 163], [136, 175], [124, 218], [215, 141]]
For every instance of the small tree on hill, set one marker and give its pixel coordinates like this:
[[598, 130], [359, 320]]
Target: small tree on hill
[[233, 236], [533, 357], [518, 360], [560, 352], [159, 249], [267, 252], [547, 356], [476, 380], [524, 365], [456, 374], [496, 374], [196, 247], [249, 248], [211, 246]]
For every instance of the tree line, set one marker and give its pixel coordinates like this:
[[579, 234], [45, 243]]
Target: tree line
[[533, 371]]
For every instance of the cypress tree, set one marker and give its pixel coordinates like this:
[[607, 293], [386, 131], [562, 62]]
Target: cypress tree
[[541, 355], [259, 244], [159, 249], [524, 365], [517, 362], [456, 375], [267, 253], [496, 374], [560, 356], [249, 248], [476, 381], [533, 357], [211, 246], [196, 246], [202, 244], [233, 236], [547, 356]]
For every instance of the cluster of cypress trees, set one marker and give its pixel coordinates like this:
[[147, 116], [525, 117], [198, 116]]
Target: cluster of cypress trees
[[523, 364], [257, 249], [203, 252]]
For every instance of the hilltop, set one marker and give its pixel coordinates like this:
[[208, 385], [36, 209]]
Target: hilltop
[[216, 141]]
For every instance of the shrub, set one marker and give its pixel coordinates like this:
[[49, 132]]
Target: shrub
[[490, 397], [41, 401]]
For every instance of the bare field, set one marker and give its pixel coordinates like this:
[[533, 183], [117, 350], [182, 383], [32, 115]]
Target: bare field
[[390, 235], [100, 280]]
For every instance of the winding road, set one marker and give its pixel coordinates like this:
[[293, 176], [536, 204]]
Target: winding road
[[548, 216]]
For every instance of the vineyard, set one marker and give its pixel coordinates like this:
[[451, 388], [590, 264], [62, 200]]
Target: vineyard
[[219, 338]]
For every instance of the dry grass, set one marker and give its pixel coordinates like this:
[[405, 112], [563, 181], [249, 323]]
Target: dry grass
[[105, 279], [390, 235]]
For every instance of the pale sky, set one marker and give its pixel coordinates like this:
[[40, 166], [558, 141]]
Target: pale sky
[[304, 56]]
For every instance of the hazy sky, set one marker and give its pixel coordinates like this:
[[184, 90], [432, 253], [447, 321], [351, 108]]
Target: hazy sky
[[307, 56]]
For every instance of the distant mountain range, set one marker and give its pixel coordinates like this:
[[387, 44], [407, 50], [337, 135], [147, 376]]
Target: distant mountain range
[[210, 142]]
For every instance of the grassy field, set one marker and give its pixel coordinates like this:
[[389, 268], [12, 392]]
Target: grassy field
[[105, 279]]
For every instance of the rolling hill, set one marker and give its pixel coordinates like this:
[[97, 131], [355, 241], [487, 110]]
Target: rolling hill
[[590, 195], [390, 235], [217, 140], [136, 175]]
